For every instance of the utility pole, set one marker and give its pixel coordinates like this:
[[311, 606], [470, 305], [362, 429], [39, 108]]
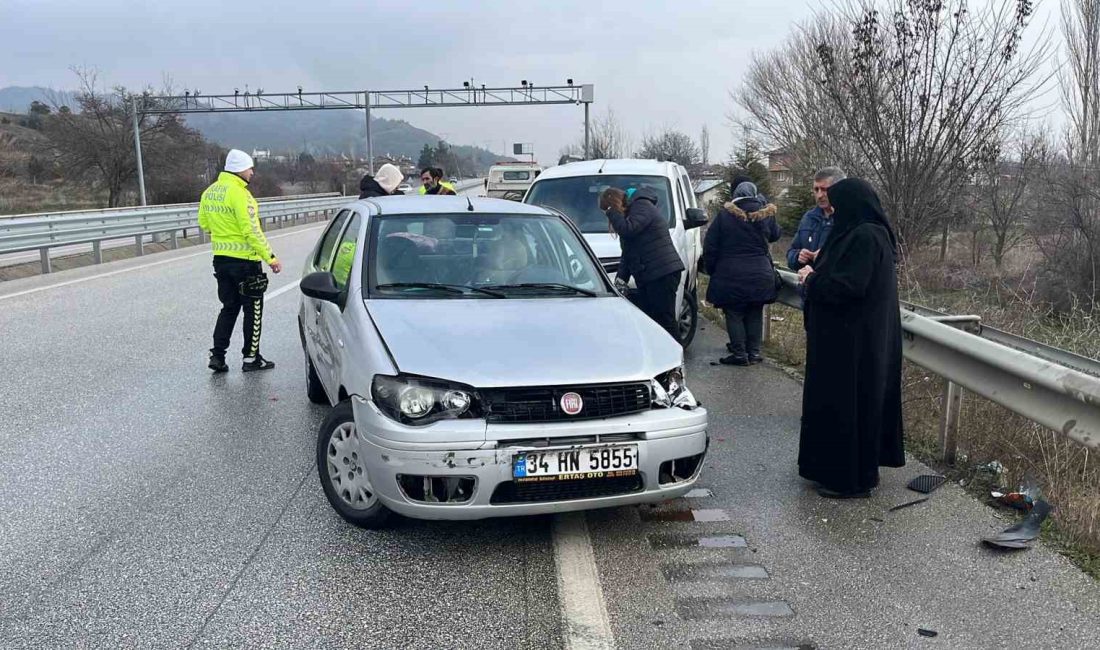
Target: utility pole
[[370, 141], [137, 149]]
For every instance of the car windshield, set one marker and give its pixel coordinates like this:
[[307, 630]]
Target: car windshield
[[579, 197], [483, 256]]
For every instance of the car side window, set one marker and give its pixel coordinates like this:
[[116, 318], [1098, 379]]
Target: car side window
[[328, 240], [344, 258]]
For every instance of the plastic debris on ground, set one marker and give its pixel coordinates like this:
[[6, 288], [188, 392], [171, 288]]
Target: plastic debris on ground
[[906, 505], [928, 633], [993, 467], [927, 483], [1023, 498], [1021, 535]]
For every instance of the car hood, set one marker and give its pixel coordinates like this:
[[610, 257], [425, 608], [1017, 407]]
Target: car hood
[[603, 245], [492, 343]]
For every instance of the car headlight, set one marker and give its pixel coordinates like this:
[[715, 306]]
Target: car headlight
[[419, 401], [669, 390]]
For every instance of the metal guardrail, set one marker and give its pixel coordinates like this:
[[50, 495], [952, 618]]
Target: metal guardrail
[[41, 234], [1055, 388], [140, 208]]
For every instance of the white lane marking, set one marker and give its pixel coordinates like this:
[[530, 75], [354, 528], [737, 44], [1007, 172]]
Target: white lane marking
[[138, 268], [587, 626], [281, 290]]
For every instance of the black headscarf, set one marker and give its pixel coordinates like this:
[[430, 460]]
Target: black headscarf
[[854, 203]]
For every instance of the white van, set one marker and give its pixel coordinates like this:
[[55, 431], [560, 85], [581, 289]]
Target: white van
[[510, 180], [574, 190]]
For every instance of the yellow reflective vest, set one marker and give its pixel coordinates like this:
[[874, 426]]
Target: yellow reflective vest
[[232, 217], [424, 190]]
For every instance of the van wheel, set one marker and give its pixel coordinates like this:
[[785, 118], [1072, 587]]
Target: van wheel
[[689, 318], [341, 465]]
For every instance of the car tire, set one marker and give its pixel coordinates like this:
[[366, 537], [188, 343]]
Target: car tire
[[342, 469], [315, 390], [688, 318]]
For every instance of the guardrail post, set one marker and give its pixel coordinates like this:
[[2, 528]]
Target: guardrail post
[[202, 236], [949, 421], [97, 252], [139, 245], [175, 240], [44, 255], [767, 334]]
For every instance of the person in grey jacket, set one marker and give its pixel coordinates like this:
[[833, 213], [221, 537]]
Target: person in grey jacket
[[649, 256]]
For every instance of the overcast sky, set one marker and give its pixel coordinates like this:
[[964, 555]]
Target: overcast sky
[[657, 64]]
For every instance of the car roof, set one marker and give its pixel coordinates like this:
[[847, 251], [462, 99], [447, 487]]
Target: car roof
[[388, 206], [611, 167]]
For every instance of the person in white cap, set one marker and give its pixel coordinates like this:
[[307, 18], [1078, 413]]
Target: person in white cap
[[232, 217], [384, 182]]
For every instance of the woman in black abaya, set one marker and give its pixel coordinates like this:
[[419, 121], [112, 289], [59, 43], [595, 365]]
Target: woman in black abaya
[[851, 400]]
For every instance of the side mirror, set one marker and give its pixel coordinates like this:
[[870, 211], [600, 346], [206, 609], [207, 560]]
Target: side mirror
[[696, 218], [322, 286]]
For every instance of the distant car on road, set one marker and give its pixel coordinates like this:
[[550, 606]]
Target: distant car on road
[[574, 190], [453, 180], [464, 346], [404, 188]]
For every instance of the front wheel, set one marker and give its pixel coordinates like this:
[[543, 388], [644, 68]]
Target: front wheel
[[689, 317], [341, 465]]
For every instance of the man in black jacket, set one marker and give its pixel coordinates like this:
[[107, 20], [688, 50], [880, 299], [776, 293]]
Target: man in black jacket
[[649, 255]]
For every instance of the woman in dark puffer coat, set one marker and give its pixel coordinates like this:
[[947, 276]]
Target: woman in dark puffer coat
[[742, 278]]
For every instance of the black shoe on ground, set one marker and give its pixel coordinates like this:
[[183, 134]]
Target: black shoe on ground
[[217, 363], [259, 363], [832, 494], [755, 359], [734, 360]]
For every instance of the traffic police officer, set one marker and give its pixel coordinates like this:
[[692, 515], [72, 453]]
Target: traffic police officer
[[229, 213], [431, 179]]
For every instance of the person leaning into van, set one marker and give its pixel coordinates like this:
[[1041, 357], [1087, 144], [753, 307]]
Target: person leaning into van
[[742, 278], [649, 255]]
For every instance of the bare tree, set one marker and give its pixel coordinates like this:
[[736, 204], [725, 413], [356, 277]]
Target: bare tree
[[1003, 197], [1070, 238], [96, 143], [607, 138], [704, 146], [670, 145], [907, 96]]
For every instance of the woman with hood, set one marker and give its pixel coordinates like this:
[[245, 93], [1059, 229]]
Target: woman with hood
[[384, 182], [742, 278], [851, 399]]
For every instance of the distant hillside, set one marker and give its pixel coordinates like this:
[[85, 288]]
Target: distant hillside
[[316, 132]]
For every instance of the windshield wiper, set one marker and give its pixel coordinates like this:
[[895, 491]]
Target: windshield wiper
[[546, 285], [449, 288]]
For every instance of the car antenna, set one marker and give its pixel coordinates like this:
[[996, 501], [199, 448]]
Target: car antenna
[[469, 204], [602, 163]]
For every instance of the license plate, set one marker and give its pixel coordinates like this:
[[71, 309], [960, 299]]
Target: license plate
[[576, 464]]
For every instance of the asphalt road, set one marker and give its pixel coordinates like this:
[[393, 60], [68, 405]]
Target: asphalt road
[[146, 503]]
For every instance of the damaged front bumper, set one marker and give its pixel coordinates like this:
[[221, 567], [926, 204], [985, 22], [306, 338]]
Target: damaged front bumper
[[417, 475]]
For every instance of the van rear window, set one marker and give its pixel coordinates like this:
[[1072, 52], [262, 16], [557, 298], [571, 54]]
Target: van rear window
[[517, 176]]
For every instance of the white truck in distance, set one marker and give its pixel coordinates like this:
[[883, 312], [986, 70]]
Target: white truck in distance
[[574, 190], [510, 180]]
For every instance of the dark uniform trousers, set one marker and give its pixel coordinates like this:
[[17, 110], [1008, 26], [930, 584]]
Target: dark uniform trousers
[[230, 272]]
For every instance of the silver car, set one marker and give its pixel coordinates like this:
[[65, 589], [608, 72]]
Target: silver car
[[480, 363]]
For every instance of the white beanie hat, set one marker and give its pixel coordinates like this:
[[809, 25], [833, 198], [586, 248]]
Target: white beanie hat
[[238, 161], [389, 177]]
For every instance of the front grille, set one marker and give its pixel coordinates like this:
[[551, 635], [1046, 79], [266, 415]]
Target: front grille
[[524, 405], [512, 492]]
